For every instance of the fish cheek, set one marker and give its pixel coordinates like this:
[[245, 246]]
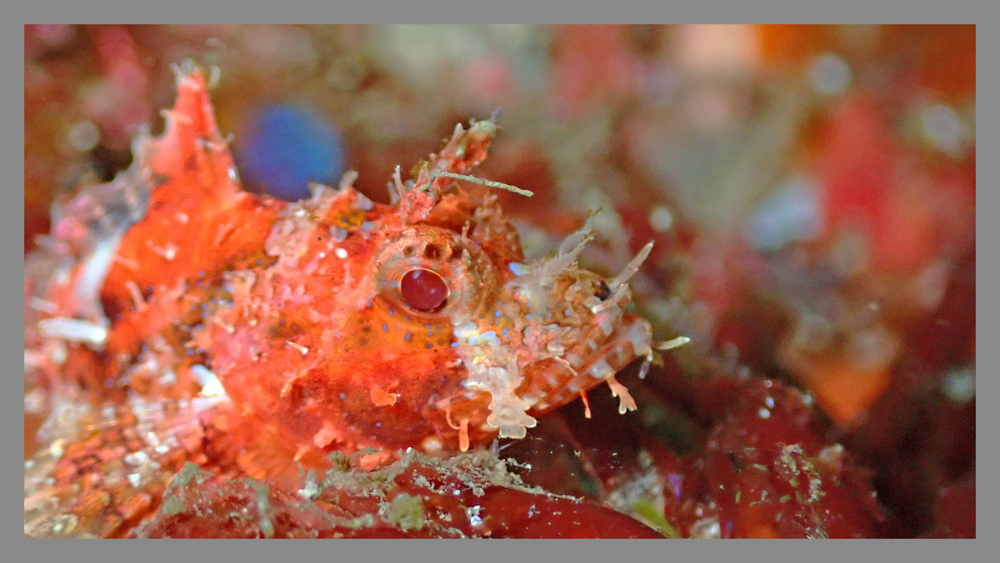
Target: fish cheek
[[378, 373], [391, 401]]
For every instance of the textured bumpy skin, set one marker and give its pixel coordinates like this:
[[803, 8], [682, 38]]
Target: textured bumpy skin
[[281, 332]]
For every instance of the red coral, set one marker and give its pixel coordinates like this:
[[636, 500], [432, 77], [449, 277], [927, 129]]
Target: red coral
[[413, 498], [771, 473]]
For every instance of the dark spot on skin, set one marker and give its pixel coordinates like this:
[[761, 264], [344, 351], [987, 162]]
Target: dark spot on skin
[[283, 328], [297, 395], [603, 291]]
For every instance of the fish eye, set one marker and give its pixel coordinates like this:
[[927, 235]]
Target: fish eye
[[423, 290], [432, 273]]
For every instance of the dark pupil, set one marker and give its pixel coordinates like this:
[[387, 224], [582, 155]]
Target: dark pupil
[[423, 290]]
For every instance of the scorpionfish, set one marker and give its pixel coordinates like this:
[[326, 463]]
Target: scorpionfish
[[172, 317]]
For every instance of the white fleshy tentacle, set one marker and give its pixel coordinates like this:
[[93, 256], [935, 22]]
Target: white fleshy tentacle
[[631, 268]]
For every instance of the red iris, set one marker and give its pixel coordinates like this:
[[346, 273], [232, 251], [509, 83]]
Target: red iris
[[423, 290]]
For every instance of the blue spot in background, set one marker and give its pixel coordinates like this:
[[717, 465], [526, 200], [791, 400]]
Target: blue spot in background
[[287, 146], [790, 214]]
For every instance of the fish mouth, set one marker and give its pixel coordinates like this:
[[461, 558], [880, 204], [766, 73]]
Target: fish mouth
[[553, 382]]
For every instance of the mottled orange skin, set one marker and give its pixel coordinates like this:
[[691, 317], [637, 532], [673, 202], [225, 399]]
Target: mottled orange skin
[[362, 378], [296, 308]]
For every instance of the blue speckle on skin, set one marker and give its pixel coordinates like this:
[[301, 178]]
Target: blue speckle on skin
[[342, 395], [338, 233], [428, 345], [518, 268], [408, 336], [285, 147], [497, 313], [378, 425], [392, 311], [364, 204], [385, 326], [454, 344], [505, 332]]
